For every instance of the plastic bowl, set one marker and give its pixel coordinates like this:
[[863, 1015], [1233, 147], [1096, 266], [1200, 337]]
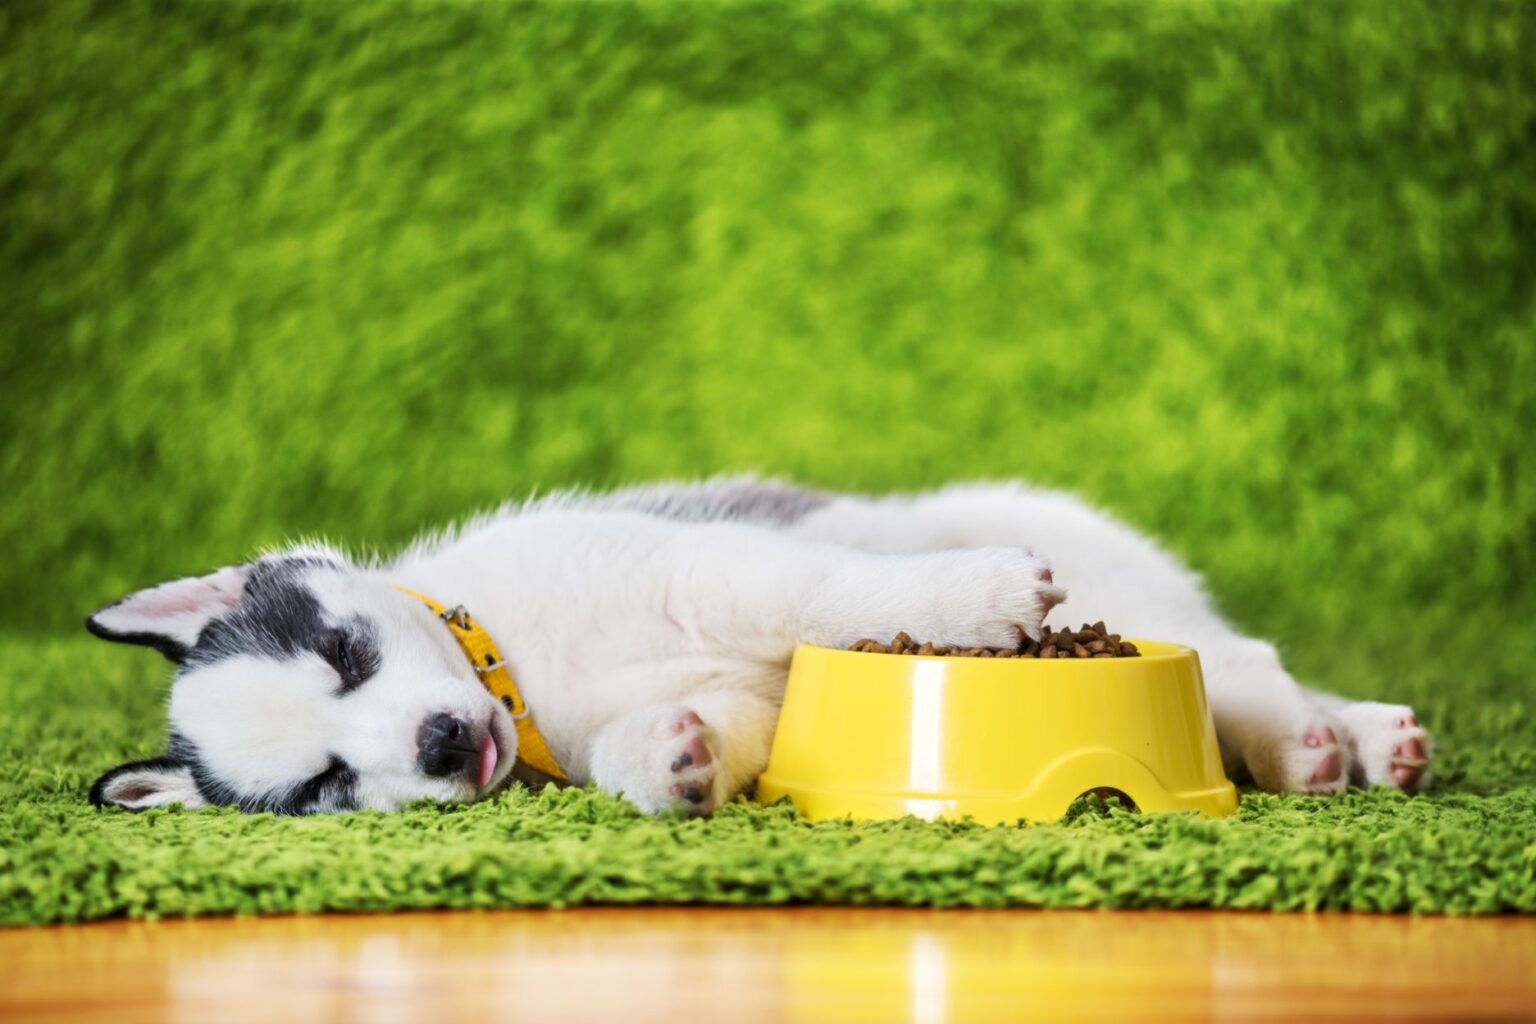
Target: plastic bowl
[[998, 740]]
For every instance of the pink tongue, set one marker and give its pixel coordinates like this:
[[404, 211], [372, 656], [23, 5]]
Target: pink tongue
[[487, 760]]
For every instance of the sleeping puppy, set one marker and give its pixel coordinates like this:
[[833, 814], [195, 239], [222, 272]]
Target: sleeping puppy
[[648, 634]]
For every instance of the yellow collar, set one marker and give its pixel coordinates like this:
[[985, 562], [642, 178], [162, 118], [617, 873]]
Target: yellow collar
[[491, 667]]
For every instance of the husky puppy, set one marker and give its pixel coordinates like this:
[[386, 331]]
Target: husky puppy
[[650, 630]]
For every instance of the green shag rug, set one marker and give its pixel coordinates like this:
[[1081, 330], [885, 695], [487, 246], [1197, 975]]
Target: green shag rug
[[74, 707], [1255, 275]]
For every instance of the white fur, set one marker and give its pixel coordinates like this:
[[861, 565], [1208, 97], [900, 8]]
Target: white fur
[[618, 623]]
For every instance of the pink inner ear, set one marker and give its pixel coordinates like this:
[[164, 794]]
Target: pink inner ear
[[135, 790], [182, 599]]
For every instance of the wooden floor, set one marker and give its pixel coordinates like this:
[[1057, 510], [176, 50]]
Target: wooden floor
[[739, 966]]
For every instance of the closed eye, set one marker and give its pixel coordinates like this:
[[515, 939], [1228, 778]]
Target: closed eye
[[352, 651], [334, 770], [332, 788]]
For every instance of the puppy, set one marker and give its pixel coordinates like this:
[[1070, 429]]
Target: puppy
[[647, 634]]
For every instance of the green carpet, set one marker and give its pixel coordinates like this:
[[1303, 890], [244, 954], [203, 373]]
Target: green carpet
[[1256, 276], [75, 707]]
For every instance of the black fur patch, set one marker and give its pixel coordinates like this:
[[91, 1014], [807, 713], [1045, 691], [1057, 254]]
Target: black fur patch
[[334, 789], [279, 618]]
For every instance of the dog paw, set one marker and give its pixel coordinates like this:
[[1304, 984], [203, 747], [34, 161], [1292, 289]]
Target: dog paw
[[1390, 748], [661, 759], [1311, 759], [1004, 595]]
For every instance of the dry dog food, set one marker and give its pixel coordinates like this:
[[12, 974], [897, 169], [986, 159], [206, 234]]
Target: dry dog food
[[1092, 641]]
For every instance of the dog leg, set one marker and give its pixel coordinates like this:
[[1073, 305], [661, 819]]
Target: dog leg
[[982, 597], [694, 755], [753, 595]]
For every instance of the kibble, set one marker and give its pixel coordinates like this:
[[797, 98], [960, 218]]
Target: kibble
[[1093, 640]]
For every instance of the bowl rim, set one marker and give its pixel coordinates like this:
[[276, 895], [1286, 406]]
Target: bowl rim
[[1170, 652]]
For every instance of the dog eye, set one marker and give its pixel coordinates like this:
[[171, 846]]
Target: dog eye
[[353, 653], [335, 788], [343, 656]]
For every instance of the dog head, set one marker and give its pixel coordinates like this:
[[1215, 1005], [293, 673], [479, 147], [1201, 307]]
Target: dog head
[[303, 685]]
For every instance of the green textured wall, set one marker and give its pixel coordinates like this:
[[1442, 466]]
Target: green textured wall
[[1257, 276]]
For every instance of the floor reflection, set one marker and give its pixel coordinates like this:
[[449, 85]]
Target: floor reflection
[[772, 965]]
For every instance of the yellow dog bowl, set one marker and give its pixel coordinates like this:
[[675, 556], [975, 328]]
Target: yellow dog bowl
[[886, 735]]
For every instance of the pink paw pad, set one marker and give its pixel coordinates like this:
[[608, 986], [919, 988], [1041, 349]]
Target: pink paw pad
[[691, 762], [1327, 770], [1331, 768], [684, 721], [1408, 763], [695, 755], [1052, 598], [1406, 777]]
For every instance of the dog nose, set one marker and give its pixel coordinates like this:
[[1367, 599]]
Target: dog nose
[[444, 745]]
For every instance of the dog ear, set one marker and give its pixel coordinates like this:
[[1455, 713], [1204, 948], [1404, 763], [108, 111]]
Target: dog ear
[[139, 785], [170, 617]]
